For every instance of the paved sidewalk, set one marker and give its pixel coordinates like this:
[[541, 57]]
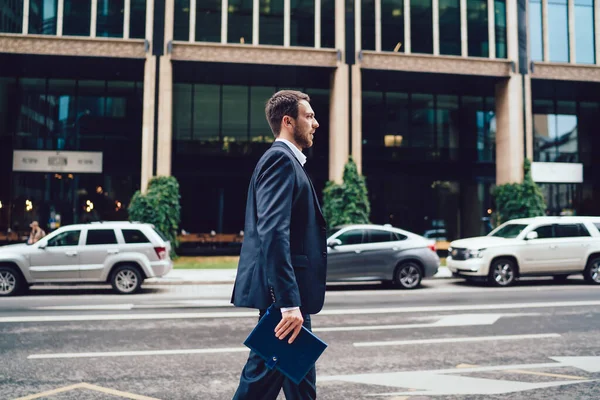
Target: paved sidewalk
[[223, 276]]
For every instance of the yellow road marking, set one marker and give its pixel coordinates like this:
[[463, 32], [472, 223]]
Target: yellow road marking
[[88, 386], [50, 392], [521, 371]]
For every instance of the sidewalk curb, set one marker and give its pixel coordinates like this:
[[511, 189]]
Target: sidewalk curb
[[443, 273]]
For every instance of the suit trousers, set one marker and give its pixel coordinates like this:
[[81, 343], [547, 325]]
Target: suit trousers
[[258, 382]]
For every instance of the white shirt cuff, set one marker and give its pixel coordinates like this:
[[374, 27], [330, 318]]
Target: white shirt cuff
[[285, 309]]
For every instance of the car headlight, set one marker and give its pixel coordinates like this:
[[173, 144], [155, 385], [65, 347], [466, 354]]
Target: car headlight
[[475, 253]]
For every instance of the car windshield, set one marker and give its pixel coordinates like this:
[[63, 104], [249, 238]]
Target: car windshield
[[509, 231]]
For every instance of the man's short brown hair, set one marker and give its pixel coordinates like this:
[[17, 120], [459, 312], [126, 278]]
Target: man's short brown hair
[[284, 102]]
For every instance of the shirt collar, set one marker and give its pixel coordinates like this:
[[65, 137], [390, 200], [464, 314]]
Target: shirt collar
[[299, 155]]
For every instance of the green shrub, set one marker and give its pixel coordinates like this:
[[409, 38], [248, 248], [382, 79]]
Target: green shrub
[[347, 203], [159, 206], [519, 200]]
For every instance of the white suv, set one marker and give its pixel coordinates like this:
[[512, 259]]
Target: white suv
[[541, 246], [120, 253]]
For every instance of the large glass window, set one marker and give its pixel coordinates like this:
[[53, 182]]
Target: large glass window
[[450, 42], [270, 22], [11, 16], [208, 21], [206, 113], [535, 30], [260, 131], [137, 19], [110, 18], [76, 20], [368, 24], [555, 131], [42, 17], [421, 26], [181, 26], [328, 23], [477, 28], [392, 25], [302, 29], [447, 138], [239, 22], [558, 17], [500, 28], [584, 31], [182, 114], [235, 113]]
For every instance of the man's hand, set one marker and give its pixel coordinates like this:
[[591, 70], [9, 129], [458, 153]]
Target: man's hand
[[291, 322]]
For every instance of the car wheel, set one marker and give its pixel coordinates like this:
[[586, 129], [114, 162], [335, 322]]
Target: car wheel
[[408, 275], [592, 271], [11, 282], [126, 279], [503, 272]]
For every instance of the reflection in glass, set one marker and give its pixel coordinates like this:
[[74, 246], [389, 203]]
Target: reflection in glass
[[558, 13], [137, 19], [392, 25], [182, 113], [368, 24], [302, 23], [448, 128], [11, 17], [555, 137], [239, 23], [42, 17], [477, 26], [260, 130], [328, 23], [584, 31], [208, 21], [450, 43], [271, 22], [235, 113], [181, 27], [535, 30], [206, 113], [76, 19], [422, 126], [500, 28], [110, 18], [421, 26]]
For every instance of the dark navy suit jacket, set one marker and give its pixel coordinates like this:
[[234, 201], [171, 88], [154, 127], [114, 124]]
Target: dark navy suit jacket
[[284, 254]]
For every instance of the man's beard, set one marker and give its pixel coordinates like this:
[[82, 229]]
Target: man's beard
[[302, 140]]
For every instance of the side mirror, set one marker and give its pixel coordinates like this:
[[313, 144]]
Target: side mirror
[[532, 235], [333, 243], [42, 245]]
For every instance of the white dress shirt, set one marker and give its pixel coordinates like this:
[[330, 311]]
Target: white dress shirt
[[302, 158]]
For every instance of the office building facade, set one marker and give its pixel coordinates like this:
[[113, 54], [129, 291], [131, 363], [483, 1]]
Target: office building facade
[[437, 101]]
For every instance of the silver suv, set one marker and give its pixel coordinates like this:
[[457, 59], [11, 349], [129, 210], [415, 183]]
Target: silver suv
[[122, 253]]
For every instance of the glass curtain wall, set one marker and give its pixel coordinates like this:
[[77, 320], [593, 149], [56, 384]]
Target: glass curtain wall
[[11, 16], [302, 23], [208, 21], [500, 28], [70, 115], [477, 27], [535, 30], [270, 22], [42, 17], [584, 32], [392, 25], [421, 26], [110, 14], [558, 35], [450, 42]]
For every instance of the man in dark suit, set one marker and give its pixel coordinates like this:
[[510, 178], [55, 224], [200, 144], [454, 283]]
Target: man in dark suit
[[283, 260]]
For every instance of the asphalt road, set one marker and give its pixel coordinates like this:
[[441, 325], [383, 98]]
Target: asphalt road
[[445, 341]]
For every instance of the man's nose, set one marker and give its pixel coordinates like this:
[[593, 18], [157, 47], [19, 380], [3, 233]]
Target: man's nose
[[315, 124]]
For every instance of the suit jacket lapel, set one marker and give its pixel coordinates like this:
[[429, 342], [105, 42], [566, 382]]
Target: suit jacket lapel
[[314, 192]]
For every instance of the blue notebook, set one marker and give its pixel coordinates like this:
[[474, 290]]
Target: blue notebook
[[293, 360]]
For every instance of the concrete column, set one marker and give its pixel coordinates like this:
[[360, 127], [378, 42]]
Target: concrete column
[[165, 99], [25, 17], [193, 7], [357, 116], [224, 15], [255, 22], [60, 12], [528, 118], [491, 28], [338, 123], [287, 13], [318, 24], [93, 18], [126, 18], [148, 113], [377, 25], [435, 6], [407, 42], [571, 22], [545, 34], [509, 131], [464, 44], [338, 104]]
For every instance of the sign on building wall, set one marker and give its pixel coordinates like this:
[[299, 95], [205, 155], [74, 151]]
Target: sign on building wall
[[552, 172], [57, 161]]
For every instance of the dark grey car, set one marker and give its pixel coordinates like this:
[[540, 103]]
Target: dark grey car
[[380, 253]]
